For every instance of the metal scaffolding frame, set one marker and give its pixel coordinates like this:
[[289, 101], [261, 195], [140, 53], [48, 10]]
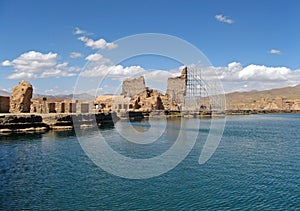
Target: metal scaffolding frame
[[196, 89], [195, 86], [200, 92]]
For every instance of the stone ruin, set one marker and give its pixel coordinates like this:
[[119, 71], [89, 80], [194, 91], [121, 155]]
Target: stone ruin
[[148, 100], [107, 103], [136, 96], [176, 88], [133, 86], [53, 105], [21, 102], [21, 98], [151, 100]]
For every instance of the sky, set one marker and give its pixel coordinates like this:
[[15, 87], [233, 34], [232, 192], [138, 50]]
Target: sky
[[251, 45]]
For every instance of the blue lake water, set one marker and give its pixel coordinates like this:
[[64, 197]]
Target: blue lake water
[[256, 166]]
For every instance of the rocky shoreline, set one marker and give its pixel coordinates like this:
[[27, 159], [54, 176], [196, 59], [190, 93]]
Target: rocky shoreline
[[22, 123], [16, 123]]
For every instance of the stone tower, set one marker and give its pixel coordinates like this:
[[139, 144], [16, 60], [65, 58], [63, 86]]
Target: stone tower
[[176, 88]]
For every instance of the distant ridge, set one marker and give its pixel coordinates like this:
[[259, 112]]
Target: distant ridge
[[4, 93], [291, 92], [82, 96]]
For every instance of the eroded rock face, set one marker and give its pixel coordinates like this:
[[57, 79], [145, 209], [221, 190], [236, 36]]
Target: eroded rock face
[[21, 98]]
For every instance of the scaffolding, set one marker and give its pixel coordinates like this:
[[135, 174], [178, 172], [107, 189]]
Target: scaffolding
[[201, 94], [196, 89]]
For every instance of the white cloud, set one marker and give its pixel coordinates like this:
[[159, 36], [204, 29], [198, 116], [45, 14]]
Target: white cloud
[[94, 57], [114, 71], [223, 19], [79, 31], [262, 73], [159, 75], [157, 79], [234, 66], [74, 55], [99, 66], [97, 59], [6, 63], [34, 64], [274, 51], [97, 44], [235, 77], [22, 75], [56, 73]]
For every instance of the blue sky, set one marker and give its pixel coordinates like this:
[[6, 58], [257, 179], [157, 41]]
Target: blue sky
[[251, 44]]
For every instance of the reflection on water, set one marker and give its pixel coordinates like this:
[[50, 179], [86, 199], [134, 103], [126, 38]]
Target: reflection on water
[[36, 135], [15, 137], [48, 134]]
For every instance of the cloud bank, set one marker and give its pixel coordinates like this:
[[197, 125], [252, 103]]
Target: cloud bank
[[33, 65], [99, 66], [235, 77]]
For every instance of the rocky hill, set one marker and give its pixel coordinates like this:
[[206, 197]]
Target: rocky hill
[[286, 92], [287, 98]]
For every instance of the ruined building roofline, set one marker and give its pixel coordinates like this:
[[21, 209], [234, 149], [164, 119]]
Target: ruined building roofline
[[132, 79]]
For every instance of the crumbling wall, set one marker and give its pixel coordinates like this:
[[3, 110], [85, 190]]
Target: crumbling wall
[[58, 105], [147, 100], [177, 87], [71, 107], [117, 103], [21, 98], [133, 86], [151, 100]]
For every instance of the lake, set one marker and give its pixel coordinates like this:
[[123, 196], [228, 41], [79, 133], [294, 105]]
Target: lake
[[256, 166]]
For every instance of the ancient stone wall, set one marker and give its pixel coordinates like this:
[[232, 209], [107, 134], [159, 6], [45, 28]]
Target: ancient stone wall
[[21, 98], [177, 87], [133, 86], [4, 104], [116, 103], [60, 105]]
